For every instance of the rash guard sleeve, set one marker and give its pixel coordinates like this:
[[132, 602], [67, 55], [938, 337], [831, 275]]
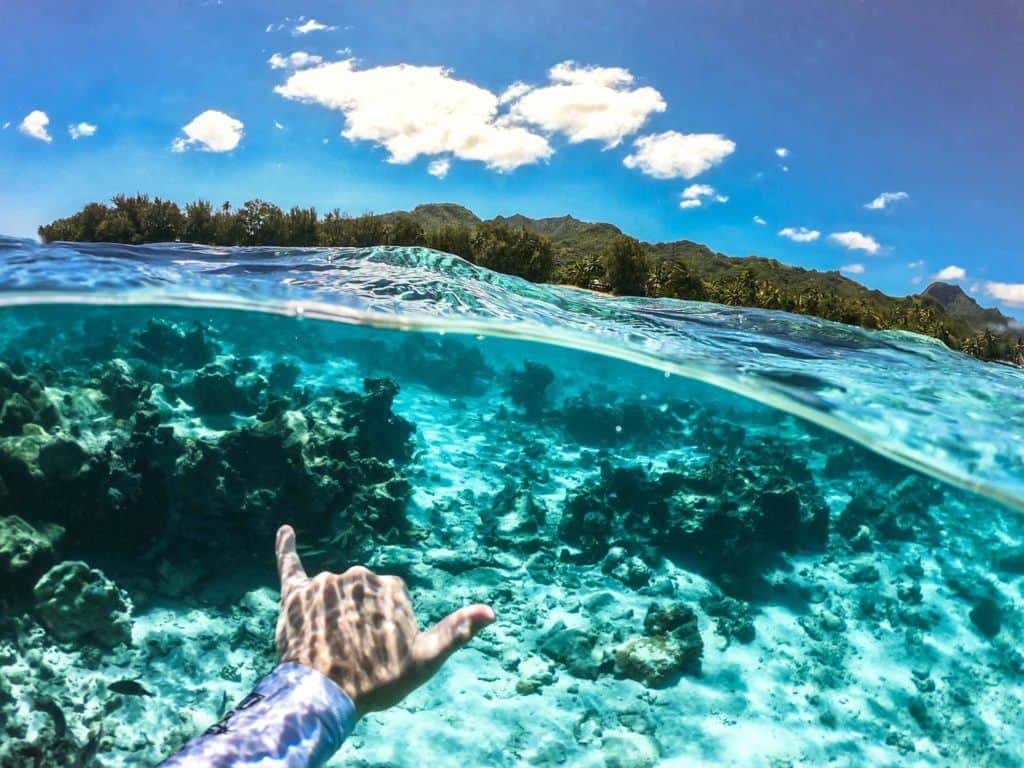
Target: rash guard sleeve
[[294, 718]]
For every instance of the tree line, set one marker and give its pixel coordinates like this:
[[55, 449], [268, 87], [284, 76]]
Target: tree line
[[622, 267]]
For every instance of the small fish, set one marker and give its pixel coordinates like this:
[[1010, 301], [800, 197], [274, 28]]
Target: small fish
[[128, 688], [52, 708]]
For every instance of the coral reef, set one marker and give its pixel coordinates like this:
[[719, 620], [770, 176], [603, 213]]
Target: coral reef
[[677, 574], [76, 602]]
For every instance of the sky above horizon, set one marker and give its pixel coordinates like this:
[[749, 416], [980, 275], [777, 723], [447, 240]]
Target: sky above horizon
[[866, 137]]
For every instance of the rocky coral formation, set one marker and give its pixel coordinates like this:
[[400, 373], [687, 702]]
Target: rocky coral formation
[[528, 387], [76, 602], [727, 521], [22, 547], [670, 646]]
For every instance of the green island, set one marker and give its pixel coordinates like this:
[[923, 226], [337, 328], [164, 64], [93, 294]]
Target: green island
[[564, 250]]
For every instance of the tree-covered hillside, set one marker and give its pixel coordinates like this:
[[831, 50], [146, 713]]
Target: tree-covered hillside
[[565, 250]]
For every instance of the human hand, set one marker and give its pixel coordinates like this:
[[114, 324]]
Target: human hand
[[359, 629]]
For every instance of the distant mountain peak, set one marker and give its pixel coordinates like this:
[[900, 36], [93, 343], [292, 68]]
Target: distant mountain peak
[[964, 307]]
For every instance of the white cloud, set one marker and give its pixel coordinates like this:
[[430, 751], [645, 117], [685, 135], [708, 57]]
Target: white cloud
[[951, 272], [916, 264], [7, 124], [34, 125], [1008, 293], [856, 241], [782, 152], [884, 199], [439, 168], [759, 221], [513, 92], [413, 110], [278, 125], [695, 191], [916, 280], [311, 26], [296, 60], [785, 168], [800, 234], [672, 154], [696, 195], [211, 131], [585, 103], [852, 269], [80, 130], [270, 28]]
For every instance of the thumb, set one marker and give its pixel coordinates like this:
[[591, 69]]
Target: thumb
[[289, 567], [434, 646]]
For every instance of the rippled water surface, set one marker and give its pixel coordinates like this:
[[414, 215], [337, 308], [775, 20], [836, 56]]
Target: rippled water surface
[[712, 536]]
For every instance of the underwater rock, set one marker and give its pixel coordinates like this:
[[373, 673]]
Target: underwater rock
[[76, 602], [902, 513], [573, 649], [22, 547], [733, 618], [987, 616], [591, 420], [534, 674], [1010, 561], [62, 458], [527, 387], [165, 342], [514, 520], [214, 391], [23, 401], [631, 570], [671, 646], [624, 749], [125, 394], [725, 523], [283, 375]]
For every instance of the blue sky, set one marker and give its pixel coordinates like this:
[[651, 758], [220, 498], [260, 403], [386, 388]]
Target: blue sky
[[659, 98]]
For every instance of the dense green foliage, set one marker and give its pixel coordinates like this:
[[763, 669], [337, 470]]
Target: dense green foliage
[[627, 270], [564, 250]]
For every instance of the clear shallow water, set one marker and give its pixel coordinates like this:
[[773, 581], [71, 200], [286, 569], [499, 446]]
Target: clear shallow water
[[835, 605]]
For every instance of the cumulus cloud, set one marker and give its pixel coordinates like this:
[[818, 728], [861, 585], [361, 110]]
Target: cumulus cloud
[[513, 92], [856, 241], [884, 199], [34, 125], [585, 103], [312, 25], [672, 155], [782, 152], [759, 221], [278, 125], [211, 131], [852, 269], [439, 168], [81, 130], [295, 60], [1007, 293], [951, 272], [696, 195], [800, 234], [414, 110]]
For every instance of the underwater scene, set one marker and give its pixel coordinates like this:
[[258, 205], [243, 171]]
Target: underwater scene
[[712, 536]]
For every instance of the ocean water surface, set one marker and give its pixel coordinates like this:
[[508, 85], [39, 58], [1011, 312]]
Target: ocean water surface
[[712, 536]]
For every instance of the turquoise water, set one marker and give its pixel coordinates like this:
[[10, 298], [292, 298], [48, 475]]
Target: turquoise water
[[835, 512]]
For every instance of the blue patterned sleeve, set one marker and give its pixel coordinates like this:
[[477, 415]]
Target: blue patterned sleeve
[[294, 718]]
